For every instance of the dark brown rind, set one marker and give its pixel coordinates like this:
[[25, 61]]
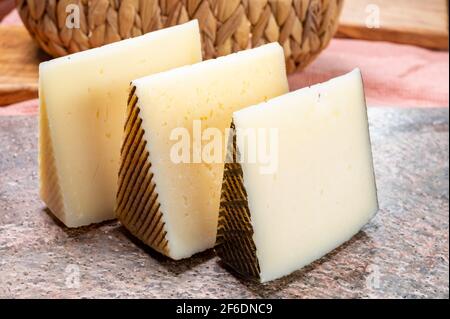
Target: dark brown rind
[[137, 206], [234, 244]]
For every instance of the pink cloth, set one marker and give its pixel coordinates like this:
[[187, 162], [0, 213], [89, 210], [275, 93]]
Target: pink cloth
[[30, 107], [12, 18], [394, 75]]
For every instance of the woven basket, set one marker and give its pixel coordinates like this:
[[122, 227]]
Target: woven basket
[[303, 27]]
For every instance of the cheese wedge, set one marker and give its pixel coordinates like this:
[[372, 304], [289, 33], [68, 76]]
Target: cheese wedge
[[83, 102], [319, 191], [170, 204]]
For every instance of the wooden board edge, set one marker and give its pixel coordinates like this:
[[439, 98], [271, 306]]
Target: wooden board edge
[[435, 41]]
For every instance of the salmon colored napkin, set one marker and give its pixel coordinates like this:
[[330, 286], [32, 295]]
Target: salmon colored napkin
[[30, 107], [394, 75], [11, 18]]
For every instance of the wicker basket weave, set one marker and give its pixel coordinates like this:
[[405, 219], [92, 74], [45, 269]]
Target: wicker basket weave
[[303, 27]]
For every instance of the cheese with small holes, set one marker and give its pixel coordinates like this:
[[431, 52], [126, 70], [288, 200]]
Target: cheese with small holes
[[83, 101], [168, 196], [320, 189]]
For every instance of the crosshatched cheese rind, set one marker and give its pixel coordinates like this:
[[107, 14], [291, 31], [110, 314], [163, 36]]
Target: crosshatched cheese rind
[[322, 192], [83, 99], [188, 194]]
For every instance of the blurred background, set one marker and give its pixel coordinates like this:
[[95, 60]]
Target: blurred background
[[401, 47]]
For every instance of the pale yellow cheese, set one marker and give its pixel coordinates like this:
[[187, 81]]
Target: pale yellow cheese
[[320, 189], [83, 100], [187, 194]]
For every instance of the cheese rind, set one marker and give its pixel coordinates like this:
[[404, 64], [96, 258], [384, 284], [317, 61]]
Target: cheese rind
[[83, 106], [322, 192], [188, 194], [234, 242]]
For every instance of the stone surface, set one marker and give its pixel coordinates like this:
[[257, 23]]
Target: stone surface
[[403, 253]]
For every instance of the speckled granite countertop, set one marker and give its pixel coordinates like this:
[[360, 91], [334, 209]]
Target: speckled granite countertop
[[403, 253]]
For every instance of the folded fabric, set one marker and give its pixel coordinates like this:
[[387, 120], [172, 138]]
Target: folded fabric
[[30, 107], [10, 19], [394, 74]]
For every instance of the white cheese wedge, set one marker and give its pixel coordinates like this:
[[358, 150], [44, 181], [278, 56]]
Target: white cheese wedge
[[83, 101], [320, 190], [172, 204]]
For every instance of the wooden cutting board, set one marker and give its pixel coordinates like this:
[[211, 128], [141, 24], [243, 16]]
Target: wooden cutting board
[[19, 65], [417, 22]]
